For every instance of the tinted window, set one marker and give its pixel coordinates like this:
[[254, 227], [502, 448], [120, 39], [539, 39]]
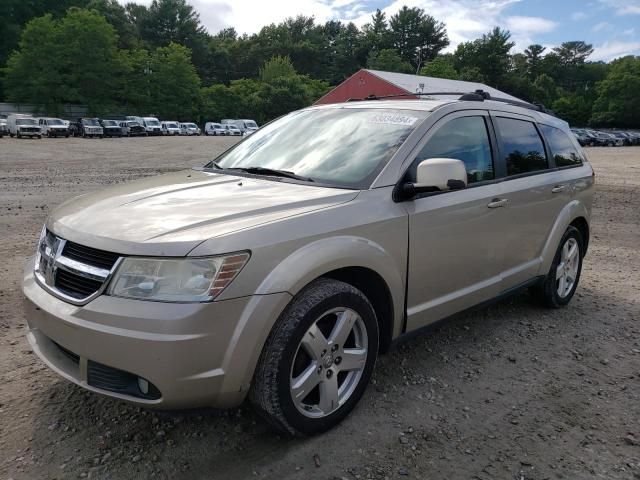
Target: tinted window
[[522, 146], [465, 139], [562, 149]]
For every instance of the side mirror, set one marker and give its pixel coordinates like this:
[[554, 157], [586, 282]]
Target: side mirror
[[434, 175], [442, 173]]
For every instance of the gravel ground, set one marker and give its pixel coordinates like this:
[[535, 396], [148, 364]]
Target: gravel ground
[[512, 391]]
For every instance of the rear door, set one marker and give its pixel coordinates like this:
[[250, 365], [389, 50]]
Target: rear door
[[456, 242], [534, 191]]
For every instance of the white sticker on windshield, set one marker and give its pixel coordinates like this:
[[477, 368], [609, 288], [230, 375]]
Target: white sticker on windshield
[[392, 119]]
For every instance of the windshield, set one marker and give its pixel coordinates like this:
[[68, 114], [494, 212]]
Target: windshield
[[25, 121], [55, 121], [172, 125], [109, 123], [153, 123], [250, 124], [191, 125], [93, 122], [341, 146]]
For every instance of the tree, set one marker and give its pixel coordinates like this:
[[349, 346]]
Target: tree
[[441, 67], [418, 37], [86, 71], [618, 102], [388, 60], [572, 108], [175, 85], [117, 16], [488, 54], [277, 67], [533, 55], [544, 90], [573, 53]]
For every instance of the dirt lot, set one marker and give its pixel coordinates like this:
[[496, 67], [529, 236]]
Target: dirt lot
[[509, 392]]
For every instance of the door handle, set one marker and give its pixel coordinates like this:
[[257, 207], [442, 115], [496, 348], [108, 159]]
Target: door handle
[[558, 188], [497, 202]]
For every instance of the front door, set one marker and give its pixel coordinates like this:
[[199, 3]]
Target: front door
[[456, 238]]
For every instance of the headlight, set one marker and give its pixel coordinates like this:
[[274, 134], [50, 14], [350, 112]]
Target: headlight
[[176, 280]]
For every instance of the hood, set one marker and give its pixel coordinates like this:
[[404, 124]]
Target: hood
[[171, 214]]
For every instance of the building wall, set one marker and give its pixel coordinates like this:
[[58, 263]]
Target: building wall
[[360, 85]]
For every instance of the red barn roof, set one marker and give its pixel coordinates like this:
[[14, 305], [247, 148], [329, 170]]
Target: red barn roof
[[367, 82]]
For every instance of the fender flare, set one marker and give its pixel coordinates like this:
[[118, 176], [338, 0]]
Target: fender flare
[[325, 255], [571, 211]]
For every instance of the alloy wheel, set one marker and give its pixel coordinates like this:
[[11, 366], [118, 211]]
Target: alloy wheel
[[329, 362], [567, 269]]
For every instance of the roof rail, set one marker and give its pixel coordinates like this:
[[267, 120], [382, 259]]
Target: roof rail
[[476, 96]]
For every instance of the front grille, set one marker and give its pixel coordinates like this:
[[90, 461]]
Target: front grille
[[76, 272], [90, 256], [114, 380], [75, 358], [76, 286]]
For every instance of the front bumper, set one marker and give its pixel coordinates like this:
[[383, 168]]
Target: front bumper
[[195, 354]]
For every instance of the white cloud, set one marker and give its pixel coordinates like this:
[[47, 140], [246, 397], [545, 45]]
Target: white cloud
[[610, 50], [623, 7], [530, 25], [630, 32], [598, 27], [577, 16]]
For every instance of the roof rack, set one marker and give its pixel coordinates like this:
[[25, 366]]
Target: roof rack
[[476, 96]]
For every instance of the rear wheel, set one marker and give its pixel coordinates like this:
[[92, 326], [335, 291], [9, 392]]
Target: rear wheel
[[562, 280], [318, 359]]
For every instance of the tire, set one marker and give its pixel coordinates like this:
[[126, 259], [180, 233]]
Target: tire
[[319, 308], [18, 135], [547, 293]]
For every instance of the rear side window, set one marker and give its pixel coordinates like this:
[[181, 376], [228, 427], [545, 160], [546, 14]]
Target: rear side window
[[562, 149], [521, 146], [465, 139]]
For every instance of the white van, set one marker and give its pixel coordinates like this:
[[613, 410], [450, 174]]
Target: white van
[[53, 127], [245, 125], [170, 128], [152, 125], [21, 125]]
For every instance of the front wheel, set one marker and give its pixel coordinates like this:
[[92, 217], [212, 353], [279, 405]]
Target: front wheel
[[561, 282], [318, 359]]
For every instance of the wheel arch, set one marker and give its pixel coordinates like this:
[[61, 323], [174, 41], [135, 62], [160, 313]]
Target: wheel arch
[[575, 214]]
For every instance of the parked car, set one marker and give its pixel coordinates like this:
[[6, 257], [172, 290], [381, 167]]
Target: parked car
[[152, 125], [189, 129], [131, 128], [246, 126], [53, 127], [232, 130], [608, 139], [111, 128], [21, 125], [170, 128], [87, 128], [584, 138], [213, 128], [281, 269]]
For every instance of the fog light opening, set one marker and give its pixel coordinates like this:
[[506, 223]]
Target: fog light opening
[[143, 385]]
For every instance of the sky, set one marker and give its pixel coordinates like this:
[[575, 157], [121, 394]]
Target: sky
[[611, 26]]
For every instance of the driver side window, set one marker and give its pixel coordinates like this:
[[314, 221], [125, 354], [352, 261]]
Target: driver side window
[[466, 139]]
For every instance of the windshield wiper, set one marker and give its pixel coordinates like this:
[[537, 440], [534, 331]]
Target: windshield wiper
[[261, 171], [273, 172]]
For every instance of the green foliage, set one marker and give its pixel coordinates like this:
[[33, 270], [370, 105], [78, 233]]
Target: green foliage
[[160, 59], [276, 68], [416, 36], [618, 102], [488, 56], [388, 60], [441, 67], [87, 70], [174, 83]]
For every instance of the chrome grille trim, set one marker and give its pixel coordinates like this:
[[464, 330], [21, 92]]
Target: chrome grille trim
[[50, 258]]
